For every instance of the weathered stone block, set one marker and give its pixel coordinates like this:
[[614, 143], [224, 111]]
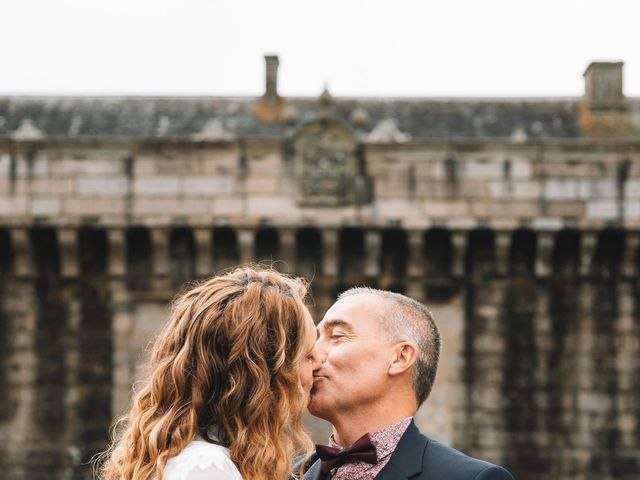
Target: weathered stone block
[[259, 185], [6, 186], [220, 162], [505, 209], [479, 169], [396, 208], [33, 167], [632, 189], [89, 163], [592, 189], [5, 165], [430, 170], [564, 170], [632, 209], [428, 188], [515, 190], [50, 186], [170, 206], [269, 164], [521, 169], [560, 189], [145, 166], [156, 186], [228, 206], [45, 206], [206, 186], [472, 189], [391, 188], [439, 209], [103, 186], [94, 206], [565, 209], [602, 209], [271, 207], [13, 206], [123, 324]]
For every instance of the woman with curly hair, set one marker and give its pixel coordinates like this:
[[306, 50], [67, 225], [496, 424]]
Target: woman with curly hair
[[228, 384]]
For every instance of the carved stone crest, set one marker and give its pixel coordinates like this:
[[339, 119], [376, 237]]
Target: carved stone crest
[[325, 163]]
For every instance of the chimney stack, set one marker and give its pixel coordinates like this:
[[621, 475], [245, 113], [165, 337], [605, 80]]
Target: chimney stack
[[603, 85], [270, 107], [271, 92]]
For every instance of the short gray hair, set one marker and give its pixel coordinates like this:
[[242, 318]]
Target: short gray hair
[[408, 320]]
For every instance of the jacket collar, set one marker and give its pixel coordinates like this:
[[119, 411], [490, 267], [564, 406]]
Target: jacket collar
[[315, 470], [405, 461]]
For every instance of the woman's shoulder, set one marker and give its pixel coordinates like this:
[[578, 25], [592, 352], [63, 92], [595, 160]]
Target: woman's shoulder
[[201, 460]]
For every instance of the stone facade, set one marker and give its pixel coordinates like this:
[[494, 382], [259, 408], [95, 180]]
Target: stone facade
[[516, 221]]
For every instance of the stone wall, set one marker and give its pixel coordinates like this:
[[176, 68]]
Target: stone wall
[[528, 254], [547, 185]]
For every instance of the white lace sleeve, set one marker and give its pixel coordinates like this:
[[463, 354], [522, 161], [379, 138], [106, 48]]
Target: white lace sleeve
[[201, 461]]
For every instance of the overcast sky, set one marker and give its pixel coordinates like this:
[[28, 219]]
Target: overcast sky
[[357, 47]]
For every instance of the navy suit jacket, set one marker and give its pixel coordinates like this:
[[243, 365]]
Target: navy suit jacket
[[421, 458]]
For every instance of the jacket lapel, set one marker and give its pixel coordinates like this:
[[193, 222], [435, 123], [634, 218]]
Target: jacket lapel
[[315, 472], [406, 459]]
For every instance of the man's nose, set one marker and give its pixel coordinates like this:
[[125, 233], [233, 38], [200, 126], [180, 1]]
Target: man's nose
[[317, 361], [321, 350]]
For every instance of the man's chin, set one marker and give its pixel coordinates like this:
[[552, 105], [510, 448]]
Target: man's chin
[[315, 407]]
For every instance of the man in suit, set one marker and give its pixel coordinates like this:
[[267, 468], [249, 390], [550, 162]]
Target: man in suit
[[379, 353]]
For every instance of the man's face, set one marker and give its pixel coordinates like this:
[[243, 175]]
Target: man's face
[[355, 353]]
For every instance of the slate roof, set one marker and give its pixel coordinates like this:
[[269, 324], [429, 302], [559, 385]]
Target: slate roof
[[234, 117]]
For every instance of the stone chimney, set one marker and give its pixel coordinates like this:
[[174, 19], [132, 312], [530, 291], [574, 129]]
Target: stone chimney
[[603, 85], [270, 107], [271, 91]]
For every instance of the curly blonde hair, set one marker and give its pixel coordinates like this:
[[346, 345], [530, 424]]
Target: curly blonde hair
[[228, 357]]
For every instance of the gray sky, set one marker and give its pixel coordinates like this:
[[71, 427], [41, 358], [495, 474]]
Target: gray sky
[[358, 47]]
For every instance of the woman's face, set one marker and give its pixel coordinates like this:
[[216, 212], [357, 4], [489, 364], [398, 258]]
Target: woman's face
[[311, 360]]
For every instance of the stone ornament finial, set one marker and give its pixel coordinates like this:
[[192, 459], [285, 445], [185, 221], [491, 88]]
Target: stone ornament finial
[[27, 131], [325, 99], [387, 131], [360, 118], [214, 129]]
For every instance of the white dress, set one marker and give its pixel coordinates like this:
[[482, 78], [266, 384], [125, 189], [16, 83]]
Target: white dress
[[201, 460]]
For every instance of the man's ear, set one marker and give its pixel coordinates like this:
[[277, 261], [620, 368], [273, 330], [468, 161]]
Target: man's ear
[[405, 354]]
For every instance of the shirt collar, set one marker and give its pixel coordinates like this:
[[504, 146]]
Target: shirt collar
[[385, 440]]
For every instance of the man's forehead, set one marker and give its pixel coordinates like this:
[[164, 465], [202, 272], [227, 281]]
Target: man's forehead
[[353, 310]]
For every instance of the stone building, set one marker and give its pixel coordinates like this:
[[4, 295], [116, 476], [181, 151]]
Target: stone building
[[517, 221]]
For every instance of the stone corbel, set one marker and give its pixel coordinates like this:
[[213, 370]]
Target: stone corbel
[[117, 264], [415, 267], [630, 260], [204, 260], [288, 253], [459, 241], [160, 251], [68, 244], [246, 241], [330, 251], [22, 255], [543, 255], [588, 243], [503, 243], [372, 245]]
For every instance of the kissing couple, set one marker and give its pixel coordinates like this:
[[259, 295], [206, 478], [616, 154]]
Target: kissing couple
[[240, 361]]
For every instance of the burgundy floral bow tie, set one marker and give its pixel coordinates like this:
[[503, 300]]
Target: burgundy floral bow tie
[[362, 449]]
